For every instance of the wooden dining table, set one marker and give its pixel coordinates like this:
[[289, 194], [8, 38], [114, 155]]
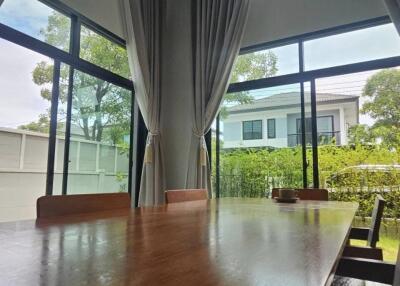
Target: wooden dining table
[[229, 241]]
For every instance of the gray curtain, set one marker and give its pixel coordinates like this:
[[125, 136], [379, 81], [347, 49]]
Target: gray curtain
[[393, 8], [218, 29], [143, 35]]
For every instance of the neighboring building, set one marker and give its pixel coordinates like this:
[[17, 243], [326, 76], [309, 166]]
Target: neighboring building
[[275, 121]]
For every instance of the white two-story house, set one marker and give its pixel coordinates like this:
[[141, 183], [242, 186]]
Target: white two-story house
[[275, 121]]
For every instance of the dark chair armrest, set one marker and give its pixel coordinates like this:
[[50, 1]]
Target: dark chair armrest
[[359, 233], [366, 269], [363, 252]]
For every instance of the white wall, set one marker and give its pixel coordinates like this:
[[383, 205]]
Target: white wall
[[106, 13], [176, 129], [23, 169], [277, 19]]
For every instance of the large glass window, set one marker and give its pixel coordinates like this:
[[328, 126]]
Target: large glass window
[[24, 130], [266, 63], [252, 130], [100, 136], [251, 168], [100, 123], [344, 137], [361, 158], [103, 52], [37, 20], [352, 47]]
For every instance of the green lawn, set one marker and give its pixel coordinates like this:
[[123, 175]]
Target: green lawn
[[389, 245]]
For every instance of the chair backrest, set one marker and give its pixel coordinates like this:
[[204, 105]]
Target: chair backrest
[[53, 206], [177, 196], [377, 213], [306, 194]]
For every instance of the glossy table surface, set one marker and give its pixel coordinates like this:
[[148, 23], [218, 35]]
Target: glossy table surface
[[216, 242]]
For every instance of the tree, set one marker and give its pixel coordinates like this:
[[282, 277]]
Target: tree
[[42, 125], [361, 134], [100, 109], [383, 91], [249, 67]]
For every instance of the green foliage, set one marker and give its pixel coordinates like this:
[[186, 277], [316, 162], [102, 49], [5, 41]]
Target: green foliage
[[248, 67], [361, 134], [42, 125], [254, 66], [383, 93], [100, 109], [104, 53], [249, 172], [121, 179]]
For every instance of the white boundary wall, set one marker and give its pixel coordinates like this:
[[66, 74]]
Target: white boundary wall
[[23, 165]]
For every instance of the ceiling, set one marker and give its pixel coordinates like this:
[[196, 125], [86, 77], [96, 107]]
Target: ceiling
[[268, 19]]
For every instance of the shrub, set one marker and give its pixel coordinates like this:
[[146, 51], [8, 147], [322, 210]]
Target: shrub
[[250, 172]]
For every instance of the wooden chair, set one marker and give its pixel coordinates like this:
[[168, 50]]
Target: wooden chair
[[54, 206], [306, 194], [177, 196], [354, 271], [370, 235]]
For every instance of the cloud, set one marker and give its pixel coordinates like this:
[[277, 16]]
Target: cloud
[[25, 15], [20, 100]]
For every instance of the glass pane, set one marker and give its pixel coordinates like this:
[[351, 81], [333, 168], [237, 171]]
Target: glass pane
[[257, 129], [104, 53], [271, 128], [360, 157], [25, 88], [357, 46], [251, 168], [308, 133], [61, 127], [100, 129], [266, 63], [37, 20]]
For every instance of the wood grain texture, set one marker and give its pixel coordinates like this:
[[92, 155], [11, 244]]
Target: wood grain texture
[[212, 242], [178, 196], [54, 206], [306, 194]]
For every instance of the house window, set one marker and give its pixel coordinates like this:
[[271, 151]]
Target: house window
[[271, 128], [252, 130], [325, 128]]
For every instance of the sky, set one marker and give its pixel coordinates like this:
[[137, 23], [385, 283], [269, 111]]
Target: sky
[[20, 100], [21, 103]]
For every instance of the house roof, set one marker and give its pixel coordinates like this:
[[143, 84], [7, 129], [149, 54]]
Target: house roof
[[290, 99]]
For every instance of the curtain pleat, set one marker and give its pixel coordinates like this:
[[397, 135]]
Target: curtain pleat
[[218, 32], [143, 33]]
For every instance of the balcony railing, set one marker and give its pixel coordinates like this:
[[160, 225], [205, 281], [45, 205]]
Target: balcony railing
[[324, 138]]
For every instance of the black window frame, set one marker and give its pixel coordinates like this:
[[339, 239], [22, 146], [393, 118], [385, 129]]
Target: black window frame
[[252, 130], [303, 77], [269, 136], [71, 58]]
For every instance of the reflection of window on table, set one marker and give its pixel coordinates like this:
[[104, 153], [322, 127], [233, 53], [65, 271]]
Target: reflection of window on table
[[252, 130]]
